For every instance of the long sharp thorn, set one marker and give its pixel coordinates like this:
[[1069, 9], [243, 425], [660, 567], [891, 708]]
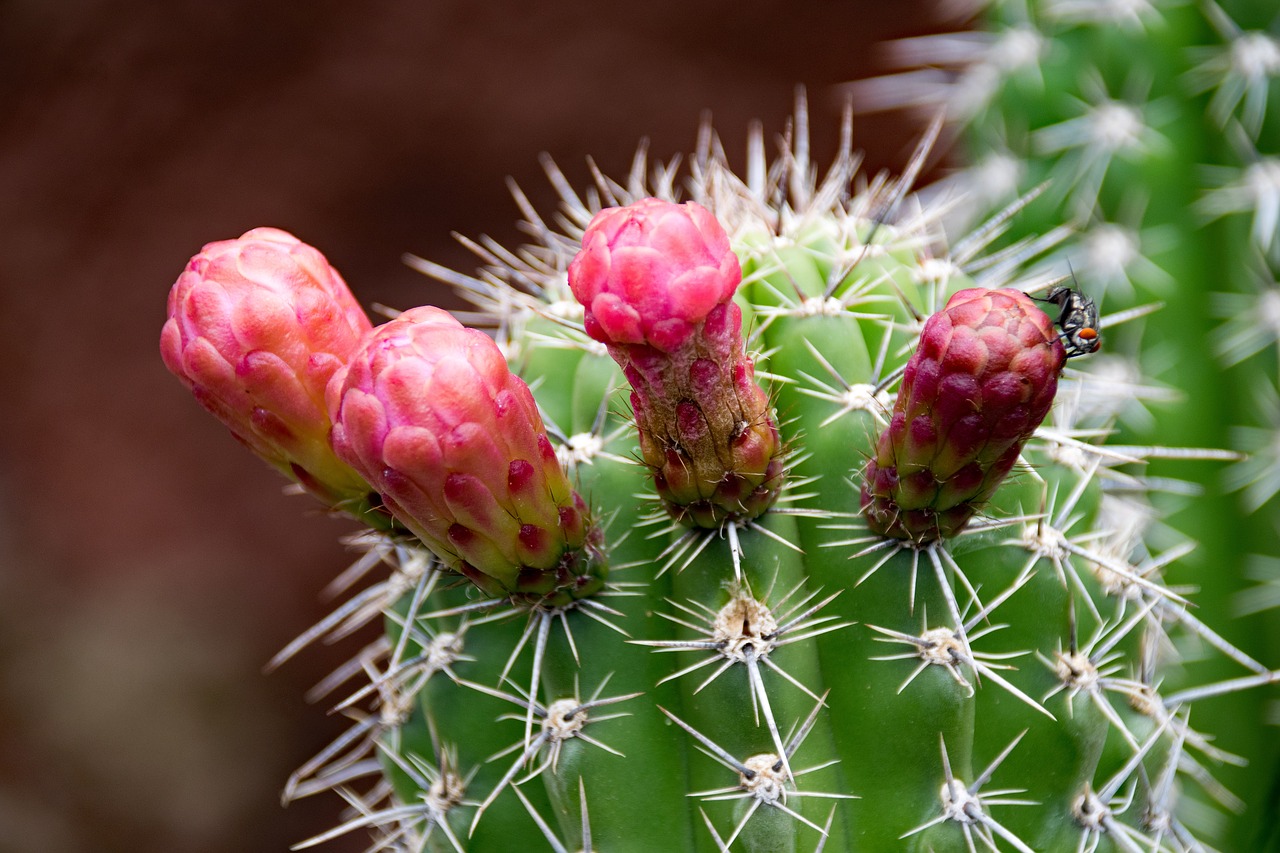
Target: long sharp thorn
[[757, 687], [515, 652], [735, 550], [586, 819], [720, 845], [751, 809], [1213, 638], [952, 605], [1006, 835], [530, 750], [807, 726], [328, 623], [539, 649], [420, 591], [556, 846], [784, 674], [1108, 791], [568, 636], [714, 750], [985, 775], [1194, 693]]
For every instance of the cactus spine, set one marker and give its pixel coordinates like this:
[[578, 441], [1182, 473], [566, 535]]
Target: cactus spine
[[785, 678]]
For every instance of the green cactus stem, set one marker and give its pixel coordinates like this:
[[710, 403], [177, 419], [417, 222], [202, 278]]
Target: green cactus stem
[[789, 678]]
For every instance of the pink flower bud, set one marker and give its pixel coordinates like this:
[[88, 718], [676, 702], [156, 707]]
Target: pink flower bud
[[657, 281], [257, 327], [651, 272], [980, 382], [430, 414]]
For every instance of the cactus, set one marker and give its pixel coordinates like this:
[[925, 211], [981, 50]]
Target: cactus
[[757, 655]]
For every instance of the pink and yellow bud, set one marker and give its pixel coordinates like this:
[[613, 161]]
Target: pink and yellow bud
[[257, 326], [657, 281], [980, 382], [430, 414]]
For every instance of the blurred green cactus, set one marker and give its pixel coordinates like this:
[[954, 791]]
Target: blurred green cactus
[[1153, 129]]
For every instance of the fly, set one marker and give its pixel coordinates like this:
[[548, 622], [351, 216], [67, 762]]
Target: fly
[[1077, 320]]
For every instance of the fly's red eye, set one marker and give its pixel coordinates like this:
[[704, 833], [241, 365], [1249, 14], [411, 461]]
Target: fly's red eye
[[1088, 334]]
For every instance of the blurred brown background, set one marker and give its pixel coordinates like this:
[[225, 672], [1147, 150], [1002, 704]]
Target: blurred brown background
[[148, 566]]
